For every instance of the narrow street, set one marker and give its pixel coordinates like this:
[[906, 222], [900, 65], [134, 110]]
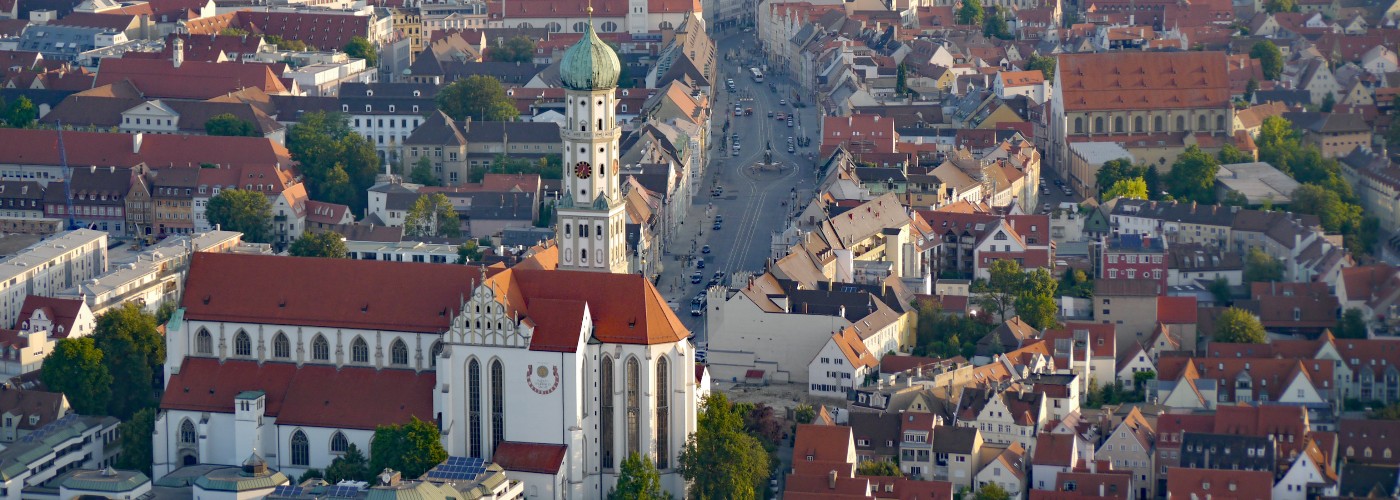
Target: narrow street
[[754, 202]]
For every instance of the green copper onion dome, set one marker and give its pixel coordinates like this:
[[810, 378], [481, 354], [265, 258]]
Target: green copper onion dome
[[589, 64]]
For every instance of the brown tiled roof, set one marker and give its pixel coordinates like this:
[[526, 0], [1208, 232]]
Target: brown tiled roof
[[1277, 302], [848, 341], [1382, 437], [823, 443], [48, 406], [1055, 449], [1218, 483], [63, 312], [538, 458], [40, 147], [313, 395], [626, 308], [323, 31], [192, 80], [1176, 310], [334, 293], [1143, 80]]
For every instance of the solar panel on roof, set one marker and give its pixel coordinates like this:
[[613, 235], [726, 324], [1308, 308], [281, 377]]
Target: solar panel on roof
[[343, 491], [287, 491]]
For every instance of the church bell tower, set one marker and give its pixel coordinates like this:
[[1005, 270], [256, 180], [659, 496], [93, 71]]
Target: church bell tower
[[591, 231]]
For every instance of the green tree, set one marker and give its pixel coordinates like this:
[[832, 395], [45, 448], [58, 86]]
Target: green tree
[[21, 113], [1220, 289], [1250, 87], [339, 165], [326, 244], [720, 460], [638, 480], [1259, 266], [547, 167], [878, 468], [410, 448], [1154, 182], [546, 214], [75, 369], [468, 251], [1035, 303], [1329, 101], [804, 413], [1352, 325], [352, 465], [1270, 58], [165, 311], [478, 96], [1076, 283], [901, 79], [135, 441], [1235, 198], [991, 491], [998, 293], [133, 351], [247, 212], [422, 173], [970, 12], [994, 26], [1113, 171], [291, 45], [1193, 176], [516, 49], [1230, 154], [1239, 325], [432, 215], [358, 47], [1140, 379], [1273, 6], [227, 124], [1044, 64], [1327, 205], [1134, 188], [232, 31]]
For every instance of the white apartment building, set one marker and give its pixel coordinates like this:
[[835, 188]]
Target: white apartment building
[[49, 267]]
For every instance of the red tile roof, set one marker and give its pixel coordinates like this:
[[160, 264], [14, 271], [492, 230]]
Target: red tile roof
[[822, 443], [323, 31], [1218, 483], [1176, 310], [538, 458], [1288, 424], [192, 80], [40, 147], [63, 312], [626, 308], [557, 9], [1143, 80], [312, 395], [1355, 435], [1055, 449], [332, 293]]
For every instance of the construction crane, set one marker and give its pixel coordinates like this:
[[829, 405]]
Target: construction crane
[[67, 179]]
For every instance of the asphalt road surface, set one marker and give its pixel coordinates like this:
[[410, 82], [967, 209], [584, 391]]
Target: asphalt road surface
[[755, 201]]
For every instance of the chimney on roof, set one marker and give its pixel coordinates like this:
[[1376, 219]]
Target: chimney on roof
[[831, 479], [135, 144], [178, 53]]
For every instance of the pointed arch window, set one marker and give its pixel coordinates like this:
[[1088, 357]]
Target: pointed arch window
[[498, 404], [605, 417], [281, 348], [242, 344], [320, 349], [398, 353], [203, 342], [634, 400], [663, 414], [359, 351], [301, 449], [338, 443], [187, 434], [474, 406], [434, 352]]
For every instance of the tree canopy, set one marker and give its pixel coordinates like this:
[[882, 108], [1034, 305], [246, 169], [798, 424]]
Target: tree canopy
[[478, 96], [351, 465], [946, 335], [135, 441], [1113, 171], [339, 165], [410, 448], [1270, 58], [19, 114], [517, 49], [423, 174], [360, 48], [720, 460], [547, 167], [134, 352], [1352, 325], [1239, 325], [638, 480], [75, 369], [247, 212], [1134, 188], [227, 124], [1259, 266], [432, 215], [1031, 293], [994, 26], [1273, 6], [1044, 64], [1192, 177], [328, 244], [878, 468], [970, 12], [991, 491]]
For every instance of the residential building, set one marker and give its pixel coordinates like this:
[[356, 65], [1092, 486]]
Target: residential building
[[49, 267], [1133, 256], [1334, 134], [43, 322], [71, 442], [1007, 467], [387, 114], [1013, 416], [1130, 306], [1130, 446]]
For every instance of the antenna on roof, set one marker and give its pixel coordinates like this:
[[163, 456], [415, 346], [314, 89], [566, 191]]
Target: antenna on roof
[[67, 177]]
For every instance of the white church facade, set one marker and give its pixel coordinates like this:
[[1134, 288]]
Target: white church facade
[[555, 374]]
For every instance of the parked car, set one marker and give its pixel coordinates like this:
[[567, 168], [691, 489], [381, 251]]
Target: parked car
[[696, 277], [717, 225], [705, 249], [700, 264]]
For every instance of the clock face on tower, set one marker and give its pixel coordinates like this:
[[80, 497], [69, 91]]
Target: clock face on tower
[[583, 170]]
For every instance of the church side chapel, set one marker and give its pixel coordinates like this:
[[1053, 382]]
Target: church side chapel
[[556, 375]]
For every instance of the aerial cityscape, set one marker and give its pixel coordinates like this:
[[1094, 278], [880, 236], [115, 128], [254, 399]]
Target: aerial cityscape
[[707, 249]]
